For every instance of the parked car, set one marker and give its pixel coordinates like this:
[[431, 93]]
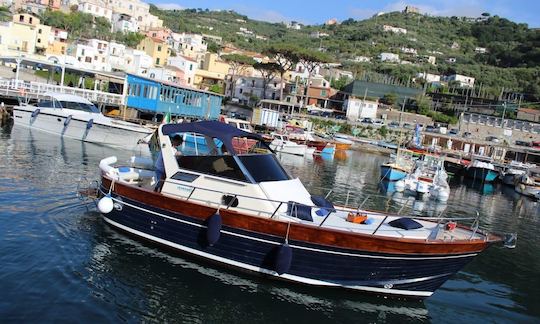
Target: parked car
[[453, 131], [341, 117], [366, 121], [393, 124], [407, 125], [431, 129], [493, 139], [378, 122], [523, 143], [467, 135]]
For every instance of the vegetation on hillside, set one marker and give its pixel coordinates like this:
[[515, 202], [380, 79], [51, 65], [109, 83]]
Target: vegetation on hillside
[[512, 60]]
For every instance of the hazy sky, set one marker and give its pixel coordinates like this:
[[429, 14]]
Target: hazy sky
[[318, 11]]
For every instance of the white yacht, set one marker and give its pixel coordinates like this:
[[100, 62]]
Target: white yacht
[[74, 117], [281, 143]]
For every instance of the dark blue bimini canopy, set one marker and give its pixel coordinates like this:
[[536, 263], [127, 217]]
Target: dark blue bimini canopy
[[214, 129]]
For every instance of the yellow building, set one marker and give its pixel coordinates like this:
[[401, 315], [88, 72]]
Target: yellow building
[[25, 34], [212, 71], [156, 48], [57, 47], [212, 63]]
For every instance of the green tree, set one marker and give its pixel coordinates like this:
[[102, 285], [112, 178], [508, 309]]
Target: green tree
[[286, 56], [268, 72], [311, 60], [389, 99], [238, 63]]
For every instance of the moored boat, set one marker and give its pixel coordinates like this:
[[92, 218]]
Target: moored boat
[[398, 167], [481, 168], [74, 117], [281, 143], [528, 184], [245, 211]]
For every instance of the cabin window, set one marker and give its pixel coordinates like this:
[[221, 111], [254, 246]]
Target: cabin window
[[78, 106], [218, 165]]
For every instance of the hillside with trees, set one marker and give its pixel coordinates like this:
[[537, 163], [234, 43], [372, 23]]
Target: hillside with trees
[[511, 61]]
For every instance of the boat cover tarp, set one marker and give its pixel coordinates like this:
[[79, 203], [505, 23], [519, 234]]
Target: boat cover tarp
[[213, 129]]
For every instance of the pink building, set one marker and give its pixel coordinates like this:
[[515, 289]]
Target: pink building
[[160, 33]]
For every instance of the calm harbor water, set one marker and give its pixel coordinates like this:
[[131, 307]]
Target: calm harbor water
[[60, 262]]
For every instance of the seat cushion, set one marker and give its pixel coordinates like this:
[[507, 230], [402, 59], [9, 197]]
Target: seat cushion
[[405, 223]]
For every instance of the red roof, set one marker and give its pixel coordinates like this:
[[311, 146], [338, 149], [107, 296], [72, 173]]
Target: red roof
[[529, 111]]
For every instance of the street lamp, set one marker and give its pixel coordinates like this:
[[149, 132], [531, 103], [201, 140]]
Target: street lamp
[[18, 60], [504, 112]]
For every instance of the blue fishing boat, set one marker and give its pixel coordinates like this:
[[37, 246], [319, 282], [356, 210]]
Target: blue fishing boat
[[392, 172], [398, 168], [481, 168]]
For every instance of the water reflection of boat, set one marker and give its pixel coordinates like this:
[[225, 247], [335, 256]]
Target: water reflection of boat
[[485, 188], [246, 212], [340, 155], [387, 187]]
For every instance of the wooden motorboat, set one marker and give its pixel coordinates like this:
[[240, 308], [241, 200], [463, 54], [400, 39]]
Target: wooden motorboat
[[246, 212]]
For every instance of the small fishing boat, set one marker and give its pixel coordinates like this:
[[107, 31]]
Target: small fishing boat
[[281, 143], [481, 168], [75, 117], [528, 184], [512, 172], [246, 212], [429, 179], [342, 142], [299, 135], [399, 166]]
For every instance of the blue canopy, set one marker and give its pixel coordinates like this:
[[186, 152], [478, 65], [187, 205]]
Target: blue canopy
[[214, 129]]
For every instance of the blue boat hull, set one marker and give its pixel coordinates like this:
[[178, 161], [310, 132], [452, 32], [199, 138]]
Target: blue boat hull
[[392, 174], [485, 175], [403, 274]]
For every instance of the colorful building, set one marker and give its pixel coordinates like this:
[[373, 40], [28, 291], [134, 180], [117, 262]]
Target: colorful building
[[156, 48], [159, 97]]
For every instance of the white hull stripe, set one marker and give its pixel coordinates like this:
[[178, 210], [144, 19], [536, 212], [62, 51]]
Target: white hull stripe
[[263, 270], [297, 246]]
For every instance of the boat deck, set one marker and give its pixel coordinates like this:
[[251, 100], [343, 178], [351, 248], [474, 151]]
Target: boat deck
[[377, 224]]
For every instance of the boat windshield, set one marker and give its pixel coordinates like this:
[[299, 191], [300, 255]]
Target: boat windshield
[[78, 106], [264, 167]]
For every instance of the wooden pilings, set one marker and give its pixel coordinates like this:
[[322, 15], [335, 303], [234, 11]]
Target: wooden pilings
[[4, 114]]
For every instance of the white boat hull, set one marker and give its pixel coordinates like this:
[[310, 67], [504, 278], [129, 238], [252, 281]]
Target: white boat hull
[[79, 127]]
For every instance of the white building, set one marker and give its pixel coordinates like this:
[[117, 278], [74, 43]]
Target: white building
[[395, 30], [409, 50], [362, 59], [357, 108], [124, 23], [185, 64], [301, 72], [335, 74], [117, 56], [93, 55], [248, 87], [294, 25], [96, 8], [430, 78], [163, 74], [389, 57], [139, 10], [480, 50], [190, 45], [138, 62], [463, 80]]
